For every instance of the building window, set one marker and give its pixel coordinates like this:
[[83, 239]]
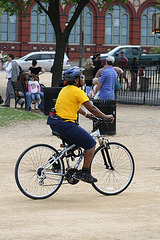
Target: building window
[[8, 27], [41, 27], [87, 16], [147, 38], [116, 25]]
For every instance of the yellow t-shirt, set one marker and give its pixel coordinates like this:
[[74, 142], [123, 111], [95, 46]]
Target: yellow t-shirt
[[69, 102]]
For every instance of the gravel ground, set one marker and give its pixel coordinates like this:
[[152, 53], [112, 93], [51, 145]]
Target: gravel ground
[[78, 211]]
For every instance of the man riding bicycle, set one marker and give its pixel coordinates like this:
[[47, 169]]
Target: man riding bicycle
[[63, 121]]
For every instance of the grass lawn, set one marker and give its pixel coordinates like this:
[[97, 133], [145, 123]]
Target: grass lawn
[[8, 116]]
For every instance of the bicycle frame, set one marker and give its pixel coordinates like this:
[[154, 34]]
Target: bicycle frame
[[63, 153], [95, 135], [54, 159]]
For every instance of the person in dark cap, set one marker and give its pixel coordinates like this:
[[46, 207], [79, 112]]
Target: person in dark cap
[[97, 64], [122, 63]]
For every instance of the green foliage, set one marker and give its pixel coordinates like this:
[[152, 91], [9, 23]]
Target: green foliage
[[14, 7], [99, 3], [20, 6], [155, 50], [8, 116]]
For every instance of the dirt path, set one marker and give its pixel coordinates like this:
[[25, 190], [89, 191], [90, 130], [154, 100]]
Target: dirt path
[[79, 212]]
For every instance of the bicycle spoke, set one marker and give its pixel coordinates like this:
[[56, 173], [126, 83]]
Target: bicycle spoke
[[32, 179], [116, 180]]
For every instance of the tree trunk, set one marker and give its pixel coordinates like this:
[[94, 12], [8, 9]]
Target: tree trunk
[[61, 38], [58, 62]]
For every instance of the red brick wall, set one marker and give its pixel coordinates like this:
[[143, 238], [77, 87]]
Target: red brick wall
[[23, 45]]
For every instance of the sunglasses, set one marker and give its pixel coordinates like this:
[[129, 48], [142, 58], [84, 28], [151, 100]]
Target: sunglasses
[[81, 76]]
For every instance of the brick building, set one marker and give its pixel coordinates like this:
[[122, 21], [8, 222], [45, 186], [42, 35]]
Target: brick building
[[102, 29]]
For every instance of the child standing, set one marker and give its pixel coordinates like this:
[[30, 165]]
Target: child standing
[[34, 89], [92, 92]]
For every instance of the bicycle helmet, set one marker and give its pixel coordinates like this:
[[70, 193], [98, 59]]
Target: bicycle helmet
[[71, 73]]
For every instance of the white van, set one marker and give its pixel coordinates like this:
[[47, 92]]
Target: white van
[[45, 59]]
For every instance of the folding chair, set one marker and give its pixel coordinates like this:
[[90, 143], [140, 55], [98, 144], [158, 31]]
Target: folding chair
[[18, 87]]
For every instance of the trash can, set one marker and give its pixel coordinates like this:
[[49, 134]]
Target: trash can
[[107, 107], [50, 96], [144, 84]]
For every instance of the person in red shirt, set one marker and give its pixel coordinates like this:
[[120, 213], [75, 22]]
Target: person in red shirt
[[141, 71], [122, 63]]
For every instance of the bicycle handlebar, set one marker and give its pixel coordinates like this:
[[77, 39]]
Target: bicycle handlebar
[[99, 120]]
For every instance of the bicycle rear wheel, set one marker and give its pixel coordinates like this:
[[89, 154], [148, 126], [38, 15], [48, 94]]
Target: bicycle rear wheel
[[113, 166], [35, 176]]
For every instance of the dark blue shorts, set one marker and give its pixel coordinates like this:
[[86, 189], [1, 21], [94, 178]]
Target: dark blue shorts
[[74, 134]]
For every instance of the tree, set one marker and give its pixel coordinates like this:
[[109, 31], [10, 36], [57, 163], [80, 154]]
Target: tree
[[155, 50], [53, 12]]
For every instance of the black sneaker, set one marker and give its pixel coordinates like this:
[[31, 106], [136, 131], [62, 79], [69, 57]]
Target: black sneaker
[[29, 109], [85, 176]]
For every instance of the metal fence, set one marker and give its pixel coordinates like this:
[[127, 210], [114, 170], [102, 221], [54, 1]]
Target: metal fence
[[140, 90]]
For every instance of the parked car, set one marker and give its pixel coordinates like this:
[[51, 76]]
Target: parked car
[[130, 52], [45, 60]]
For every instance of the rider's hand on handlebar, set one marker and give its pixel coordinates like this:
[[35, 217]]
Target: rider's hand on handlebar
[[88, 115], [110, 118]]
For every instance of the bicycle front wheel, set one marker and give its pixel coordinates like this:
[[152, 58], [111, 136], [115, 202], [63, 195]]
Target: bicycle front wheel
[[113, 166], [37, 175]]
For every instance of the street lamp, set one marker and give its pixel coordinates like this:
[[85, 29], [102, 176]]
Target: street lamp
[[81, 42], [67, 42]]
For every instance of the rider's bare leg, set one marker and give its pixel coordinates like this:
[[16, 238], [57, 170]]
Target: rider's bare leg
[[88, 157], [85, 174]]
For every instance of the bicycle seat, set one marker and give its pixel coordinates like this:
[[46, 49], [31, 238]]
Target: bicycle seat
[[56, 134]]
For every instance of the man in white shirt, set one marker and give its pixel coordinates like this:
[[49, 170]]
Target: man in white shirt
[[12, 72]]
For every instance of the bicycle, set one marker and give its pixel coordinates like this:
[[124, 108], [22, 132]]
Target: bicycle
[[41, 169]]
